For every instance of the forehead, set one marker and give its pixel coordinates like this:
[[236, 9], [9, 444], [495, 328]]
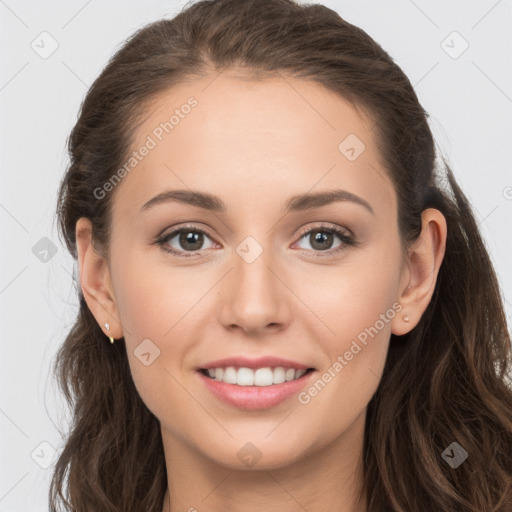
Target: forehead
[[240, 138]]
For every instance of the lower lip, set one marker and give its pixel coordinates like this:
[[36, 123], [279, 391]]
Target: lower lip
[[255, 397]]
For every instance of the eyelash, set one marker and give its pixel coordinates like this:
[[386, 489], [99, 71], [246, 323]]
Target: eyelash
[[348, 240]]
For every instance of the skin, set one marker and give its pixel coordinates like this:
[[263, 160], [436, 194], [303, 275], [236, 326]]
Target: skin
[[254, 144]]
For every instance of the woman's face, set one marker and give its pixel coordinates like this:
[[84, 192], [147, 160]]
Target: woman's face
[[259, 281]]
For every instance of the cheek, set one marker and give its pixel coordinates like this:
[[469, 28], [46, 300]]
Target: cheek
[[156, 323], [349, 298], [151, 310], [153, 299], [356, 305]]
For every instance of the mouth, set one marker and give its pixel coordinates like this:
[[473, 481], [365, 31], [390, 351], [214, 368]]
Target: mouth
[[255, 388], [261, 377]]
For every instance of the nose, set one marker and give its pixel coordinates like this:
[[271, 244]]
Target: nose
[[254, 297]]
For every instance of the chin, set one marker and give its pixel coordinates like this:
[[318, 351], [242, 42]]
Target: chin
[[260, 455]]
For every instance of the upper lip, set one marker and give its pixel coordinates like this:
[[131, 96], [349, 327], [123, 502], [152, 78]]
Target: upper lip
[[259, 362]]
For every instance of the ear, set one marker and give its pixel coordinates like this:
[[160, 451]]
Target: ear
[[420, 271], [95, 281]]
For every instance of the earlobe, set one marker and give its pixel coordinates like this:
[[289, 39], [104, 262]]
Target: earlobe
[[95, 281], [421, 270]]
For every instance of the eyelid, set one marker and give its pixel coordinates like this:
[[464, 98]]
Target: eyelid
[[326, 226], [344, 234], [175, 230], [303, 231]]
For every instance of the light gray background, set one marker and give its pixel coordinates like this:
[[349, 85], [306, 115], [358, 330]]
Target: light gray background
[[469, 99]]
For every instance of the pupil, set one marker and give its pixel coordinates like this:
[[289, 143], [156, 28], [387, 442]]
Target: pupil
[[191, 237], [321, 236]]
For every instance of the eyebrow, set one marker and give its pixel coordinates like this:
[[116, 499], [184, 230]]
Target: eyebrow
[[295, 203]]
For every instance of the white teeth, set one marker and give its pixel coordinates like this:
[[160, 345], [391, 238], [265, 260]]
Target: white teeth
[[289, 375], [278, 375], [230, 375], [299, 373], [263, 377], [245, 377], [259, 377]]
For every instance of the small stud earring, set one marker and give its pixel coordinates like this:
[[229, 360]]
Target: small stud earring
[[107, 326], [406, 318]]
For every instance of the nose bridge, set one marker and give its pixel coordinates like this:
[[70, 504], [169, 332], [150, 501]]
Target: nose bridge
[[254, 298], [252, 261]]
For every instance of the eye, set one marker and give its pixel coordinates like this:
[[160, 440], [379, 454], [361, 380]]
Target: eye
[[190, 238], [321, 239]]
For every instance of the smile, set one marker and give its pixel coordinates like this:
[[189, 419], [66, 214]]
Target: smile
[[246, 393], [262, 377]]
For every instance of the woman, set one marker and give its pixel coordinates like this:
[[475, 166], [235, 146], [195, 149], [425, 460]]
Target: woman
[[333, 338]]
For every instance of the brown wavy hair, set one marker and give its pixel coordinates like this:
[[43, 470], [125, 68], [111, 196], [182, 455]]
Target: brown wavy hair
[[445, 381]]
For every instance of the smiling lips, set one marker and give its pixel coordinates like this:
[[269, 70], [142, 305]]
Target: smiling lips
[[244, 376], [262, 371], [254, 383]]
